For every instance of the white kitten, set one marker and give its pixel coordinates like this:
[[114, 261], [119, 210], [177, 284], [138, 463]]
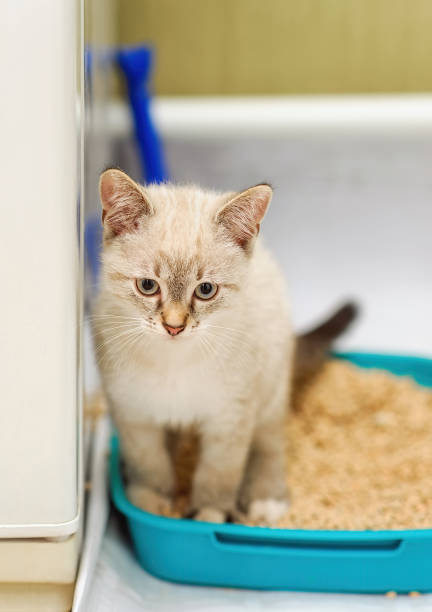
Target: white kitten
[[192, 327]]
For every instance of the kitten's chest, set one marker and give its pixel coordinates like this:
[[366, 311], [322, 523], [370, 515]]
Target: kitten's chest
[[170, 393]]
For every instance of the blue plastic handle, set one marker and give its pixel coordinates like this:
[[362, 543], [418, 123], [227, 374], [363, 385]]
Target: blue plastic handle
[[136, 64]]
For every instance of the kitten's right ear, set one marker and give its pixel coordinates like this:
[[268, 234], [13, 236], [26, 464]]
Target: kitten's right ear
[[123, 202]]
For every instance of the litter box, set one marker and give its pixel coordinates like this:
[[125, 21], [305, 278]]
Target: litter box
[[228, 555]]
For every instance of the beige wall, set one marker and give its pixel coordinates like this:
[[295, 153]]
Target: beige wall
[[284, 46]]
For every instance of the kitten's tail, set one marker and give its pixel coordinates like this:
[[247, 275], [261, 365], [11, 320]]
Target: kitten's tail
[[312, 347]]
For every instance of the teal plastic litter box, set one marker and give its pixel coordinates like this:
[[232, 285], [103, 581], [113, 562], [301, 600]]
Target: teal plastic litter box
[[230, 555]]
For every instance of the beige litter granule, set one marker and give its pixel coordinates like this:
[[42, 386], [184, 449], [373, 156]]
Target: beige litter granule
[[359, 453]]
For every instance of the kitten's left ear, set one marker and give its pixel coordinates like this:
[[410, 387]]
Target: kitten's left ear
[[242, 215]]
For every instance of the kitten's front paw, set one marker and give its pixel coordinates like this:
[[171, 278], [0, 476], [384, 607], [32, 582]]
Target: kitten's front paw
[[149, 500], [267, 511], [210, 515]]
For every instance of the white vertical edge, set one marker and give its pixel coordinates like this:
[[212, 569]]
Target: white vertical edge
[[96, 513], [81, 290]]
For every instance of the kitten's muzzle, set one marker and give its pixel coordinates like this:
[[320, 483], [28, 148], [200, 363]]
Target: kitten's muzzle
[[173, 331]]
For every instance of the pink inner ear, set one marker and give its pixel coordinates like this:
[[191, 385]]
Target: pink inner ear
[[107, 191], [123, 202], [242, 215]]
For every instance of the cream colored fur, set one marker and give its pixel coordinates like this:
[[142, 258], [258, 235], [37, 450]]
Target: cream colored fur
[[227, 373]]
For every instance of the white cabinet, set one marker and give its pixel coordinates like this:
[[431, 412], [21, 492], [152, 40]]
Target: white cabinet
[[40, 270]]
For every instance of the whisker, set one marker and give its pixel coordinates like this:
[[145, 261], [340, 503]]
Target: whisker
[[110, 316], [242, 352], [108, 341], [231, 329], [227, 336], [214, 352]]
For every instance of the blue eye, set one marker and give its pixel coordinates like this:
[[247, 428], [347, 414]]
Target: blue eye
[[205, 291], [147, 286]]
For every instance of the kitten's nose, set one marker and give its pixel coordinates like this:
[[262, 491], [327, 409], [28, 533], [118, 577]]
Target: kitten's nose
[[173, 318], [173, 331]]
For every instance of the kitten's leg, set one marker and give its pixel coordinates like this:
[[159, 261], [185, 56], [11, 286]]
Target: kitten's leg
[[148, 466], [264, 492], [220, 469]]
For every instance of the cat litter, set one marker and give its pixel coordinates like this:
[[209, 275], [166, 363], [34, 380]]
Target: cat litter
[[360, 452]]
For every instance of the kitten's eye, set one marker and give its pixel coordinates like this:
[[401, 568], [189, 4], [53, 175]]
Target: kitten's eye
[[205, 291], [147, 286]]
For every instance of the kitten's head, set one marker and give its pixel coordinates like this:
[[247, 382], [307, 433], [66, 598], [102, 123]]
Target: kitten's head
[[175, 257]]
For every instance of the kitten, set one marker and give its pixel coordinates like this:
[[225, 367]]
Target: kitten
[[192, 327]]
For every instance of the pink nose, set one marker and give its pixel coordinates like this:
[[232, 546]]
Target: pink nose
[[173, 331]]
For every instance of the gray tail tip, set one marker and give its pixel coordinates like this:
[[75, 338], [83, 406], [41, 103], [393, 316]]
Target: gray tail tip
[[335, 325], [341, 319]]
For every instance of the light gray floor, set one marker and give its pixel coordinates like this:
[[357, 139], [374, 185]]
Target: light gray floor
[[122, 586], [351, 217]]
